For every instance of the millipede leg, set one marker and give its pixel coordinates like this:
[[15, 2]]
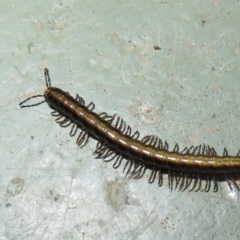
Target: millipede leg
[[73, 130], [152, 176], [215, 185], [194, 184], [160, 178], [80, 100], [90, 106], [199, 185], [117, 162]]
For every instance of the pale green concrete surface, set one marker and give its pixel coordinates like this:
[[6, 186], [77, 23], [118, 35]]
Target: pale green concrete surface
[[184, 91]]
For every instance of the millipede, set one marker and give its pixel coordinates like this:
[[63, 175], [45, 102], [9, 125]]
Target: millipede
[[117, 143]]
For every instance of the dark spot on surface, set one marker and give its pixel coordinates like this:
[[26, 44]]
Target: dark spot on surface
[[30, 46], [203, 23], [56, 197], [213, 69], [157, 48]]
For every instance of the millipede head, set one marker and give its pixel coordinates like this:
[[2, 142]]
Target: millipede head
[[48, 84]]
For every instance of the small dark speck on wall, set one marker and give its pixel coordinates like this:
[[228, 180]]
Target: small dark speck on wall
[[157, 48]]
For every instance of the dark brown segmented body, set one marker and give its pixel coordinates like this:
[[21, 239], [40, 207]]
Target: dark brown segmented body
[[116, 142]]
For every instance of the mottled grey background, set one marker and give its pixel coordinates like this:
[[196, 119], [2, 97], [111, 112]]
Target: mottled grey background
[[169, 68]]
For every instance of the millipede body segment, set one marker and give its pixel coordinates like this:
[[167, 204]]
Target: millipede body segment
[[116, 142]]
